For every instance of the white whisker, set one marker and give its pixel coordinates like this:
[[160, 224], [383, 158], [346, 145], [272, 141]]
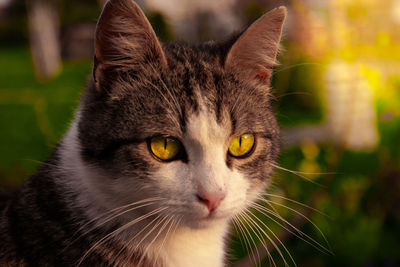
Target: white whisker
[[144, 252], [270, 239], [110, 217], [264, 210], [301, 174], [256, 259], [118, 230], [243, 235], [326, 250], [259, 236], [171, 222], [299, 233], [274, 235], [170, 92], [296, 202], [297, 65]]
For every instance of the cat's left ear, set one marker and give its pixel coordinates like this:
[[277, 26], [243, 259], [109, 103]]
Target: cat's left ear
[[253, 55]]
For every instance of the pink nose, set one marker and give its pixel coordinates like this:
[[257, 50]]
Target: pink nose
[[211, 200]]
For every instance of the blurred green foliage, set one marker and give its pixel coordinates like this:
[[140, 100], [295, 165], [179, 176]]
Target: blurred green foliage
[[160, 26], [78, 11], [33, 116], [296, 91]]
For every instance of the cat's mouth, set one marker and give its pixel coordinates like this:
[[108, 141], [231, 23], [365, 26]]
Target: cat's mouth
[[212, 215], [207, 220]]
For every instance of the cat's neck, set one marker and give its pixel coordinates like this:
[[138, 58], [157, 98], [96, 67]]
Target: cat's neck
[[181, 247]]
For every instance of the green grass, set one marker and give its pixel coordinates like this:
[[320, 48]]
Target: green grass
[[33, 115]]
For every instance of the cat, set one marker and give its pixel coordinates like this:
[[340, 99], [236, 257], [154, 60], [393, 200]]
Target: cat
[[170, 142]]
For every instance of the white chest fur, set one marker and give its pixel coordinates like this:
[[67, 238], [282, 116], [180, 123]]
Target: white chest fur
[[193, 247]]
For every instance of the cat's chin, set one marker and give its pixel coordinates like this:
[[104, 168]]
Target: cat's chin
[[208, 221]]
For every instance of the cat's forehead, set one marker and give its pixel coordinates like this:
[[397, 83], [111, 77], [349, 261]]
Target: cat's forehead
[[195, 87], [205, 127]]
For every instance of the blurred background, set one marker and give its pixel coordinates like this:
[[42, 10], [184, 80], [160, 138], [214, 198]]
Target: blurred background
[[337, 98]]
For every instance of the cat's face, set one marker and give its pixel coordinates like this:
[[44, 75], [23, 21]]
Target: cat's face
[[190, 126]]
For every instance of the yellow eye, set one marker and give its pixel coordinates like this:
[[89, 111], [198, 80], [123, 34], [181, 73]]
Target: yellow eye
[[242, 145], [165, 148]]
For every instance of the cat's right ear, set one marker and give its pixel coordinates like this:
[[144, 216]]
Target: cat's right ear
[[124, 41]]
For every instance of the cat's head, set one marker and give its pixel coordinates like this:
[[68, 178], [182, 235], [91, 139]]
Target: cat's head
[[189, 125]]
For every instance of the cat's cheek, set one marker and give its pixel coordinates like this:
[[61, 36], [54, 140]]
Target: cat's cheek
[[256, 189], [237, 198], [171, 180]]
